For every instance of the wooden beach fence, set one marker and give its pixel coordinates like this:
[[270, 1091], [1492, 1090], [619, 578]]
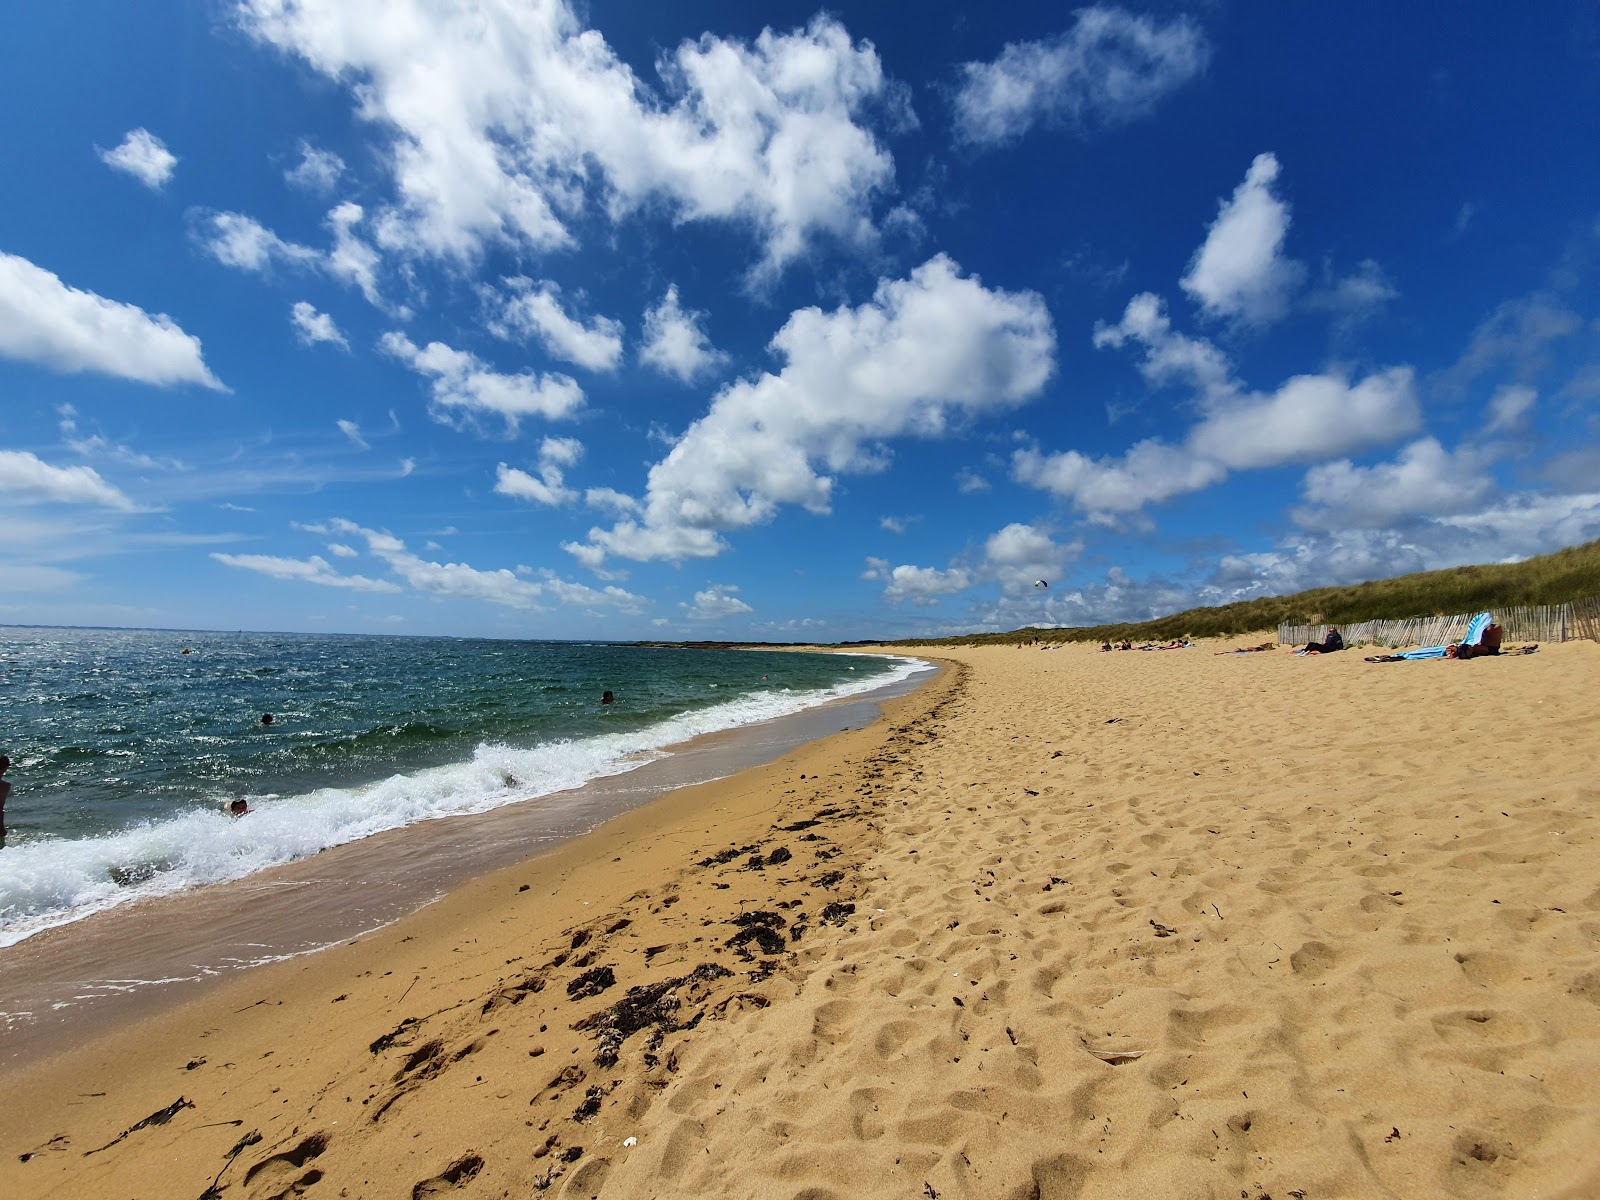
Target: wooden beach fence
[[1578, 620]]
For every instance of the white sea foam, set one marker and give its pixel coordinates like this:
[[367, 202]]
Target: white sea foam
[[48, 883]]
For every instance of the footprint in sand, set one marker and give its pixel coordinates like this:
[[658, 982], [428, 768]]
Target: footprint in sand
[[452, 1177], [285, 1175]]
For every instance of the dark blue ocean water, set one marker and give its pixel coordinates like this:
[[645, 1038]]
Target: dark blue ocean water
[[126, 744]]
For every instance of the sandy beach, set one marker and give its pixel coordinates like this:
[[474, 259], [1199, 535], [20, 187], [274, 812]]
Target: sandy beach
[[1061, 924]]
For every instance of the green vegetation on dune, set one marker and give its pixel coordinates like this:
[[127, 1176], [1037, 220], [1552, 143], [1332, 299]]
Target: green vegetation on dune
[[1569, 574]]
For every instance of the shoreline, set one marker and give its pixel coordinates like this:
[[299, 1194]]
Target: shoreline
[[136, 959], [1070, 925]]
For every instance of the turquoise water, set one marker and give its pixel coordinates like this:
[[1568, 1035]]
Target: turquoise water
[[127, 744]]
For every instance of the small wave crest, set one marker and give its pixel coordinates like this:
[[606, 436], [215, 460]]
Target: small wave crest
[[54, 881]]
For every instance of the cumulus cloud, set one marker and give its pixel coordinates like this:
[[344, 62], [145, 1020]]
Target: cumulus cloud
[[462, 383], [317, 170], [1310, 417], [1020, 554], [1240, 271], [1424, 480], [315, 569], [925, 353], [716, 601], [536, 310], [311, 326], [27, 477], [506, 121], [548, 487], [46, 322], [236, 240], [142, 155], [924, 585], [240, 241], [1149, 472], [674, 343], [352, 260], [1110, 67], [1306, 419]]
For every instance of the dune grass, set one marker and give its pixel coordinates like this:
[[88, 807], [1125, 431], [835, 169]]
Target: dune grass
[[1569, 574]]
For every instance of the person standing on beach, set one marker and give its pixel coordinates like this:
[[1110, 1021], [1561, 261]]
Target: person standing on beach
[[5, 790]]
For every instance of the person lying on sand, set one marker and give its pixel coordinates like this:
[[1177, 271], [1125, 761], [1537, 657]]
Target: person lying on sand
[[1488, 644], [1251, 649]]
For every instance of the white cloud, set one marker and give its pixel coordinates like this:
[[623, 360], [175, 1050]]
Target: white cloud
[[315, 569], [242, 242], [1110, 67], [536, 310], [1508, 406], [340, 550], [1240, 271], [1518, 332], [28, 477], [352, 431], [892, 524], [317, 170], [548, 487], [716, 601], [462, 382], [925, 353], [1170, 358], [969, 481], [352, 260], [44, 321], [1358, 295], [1019, 555], [1424, 480], [407, 466], [1307, 419], [98, 446], [519, 485], [236, 240], [1149, 472], [674, 343], [312, 326], [509, 119], [143, 156], [612, 501], [924, 585], [502, 587]]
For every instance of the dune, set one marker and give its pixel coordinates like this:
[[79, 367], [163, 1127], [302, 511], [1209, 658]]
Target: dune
[[1061, 924]]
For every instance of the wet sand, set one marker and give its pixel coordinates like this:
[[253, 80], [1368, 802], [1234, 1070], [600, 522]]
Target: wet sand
[[1061, 925]]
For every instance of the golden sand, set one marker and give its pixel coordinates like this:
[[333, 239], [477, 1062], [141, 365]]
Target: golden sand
[[1156, 924]]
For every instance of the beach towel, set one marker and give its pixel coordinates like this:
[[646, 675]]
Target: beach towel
[[1474, 631]]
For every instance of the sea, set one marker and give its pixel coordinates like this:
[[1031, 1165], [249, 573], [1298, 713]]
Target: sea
[[129, 746]]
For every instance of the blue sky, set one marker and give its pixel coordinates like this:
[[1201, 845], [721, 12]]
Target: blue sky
[[662, 320]]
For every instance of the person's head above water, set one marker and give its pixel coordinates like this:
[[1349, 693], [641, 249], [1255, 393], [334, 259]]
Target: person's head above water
[[266, 718]]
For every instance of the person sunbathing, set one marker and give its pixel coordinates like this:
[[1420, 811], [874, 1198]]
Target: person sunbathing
[[1488, 644]]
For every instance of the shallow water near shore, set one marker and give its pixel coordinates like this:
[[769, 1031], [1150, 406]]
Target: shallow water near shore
[[127, 745], [122, 964]]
